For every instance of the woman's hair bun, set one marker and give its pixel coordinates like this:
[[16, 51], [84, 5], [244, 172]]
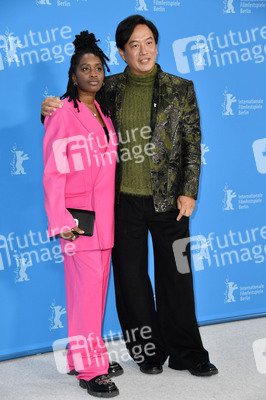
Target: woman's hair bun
[[84, 40]]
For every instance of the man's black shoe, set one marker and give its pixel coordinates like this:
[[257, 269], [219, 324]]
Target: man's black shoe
[[114, 369], [205, 369], [100, 386], [151, 367]]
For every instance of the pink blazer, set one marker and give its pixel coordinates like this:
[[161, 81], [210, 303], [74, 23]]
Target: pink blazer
[[79, 172]]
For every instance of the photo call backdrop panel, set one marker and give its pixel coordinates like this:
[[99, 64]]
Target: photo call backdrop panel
[[221, 46]]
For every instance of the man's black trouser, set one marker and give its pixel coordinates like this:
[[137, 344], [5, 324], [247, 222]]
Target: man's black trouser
[[167, 326]]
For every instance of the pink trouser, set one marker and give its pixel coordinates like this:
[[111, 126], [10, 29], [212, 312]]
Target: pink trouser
[[86, 277]]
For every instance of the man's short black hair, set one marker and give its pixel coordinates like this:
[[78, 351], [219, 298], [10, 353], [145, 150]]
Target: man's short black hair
[[127, 26]]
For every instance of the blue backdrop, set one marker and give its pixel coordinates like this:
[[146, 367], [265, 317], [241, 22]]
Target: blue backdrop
[[220, 45]]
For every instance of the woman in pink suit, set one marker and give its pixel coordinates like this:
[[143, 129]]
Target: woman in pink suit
[[80, 150]]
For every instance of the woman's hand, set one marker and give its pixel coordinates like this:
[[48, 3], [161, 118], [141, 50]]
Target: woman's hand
[[72, 234]]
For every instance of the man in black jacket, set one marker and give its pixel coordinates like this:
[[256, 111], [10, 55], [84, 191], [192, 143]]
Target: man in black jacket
[[157, 120]]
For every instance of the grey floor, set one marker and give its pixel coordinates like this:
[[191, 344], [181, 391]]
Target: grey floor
[[230, 346]]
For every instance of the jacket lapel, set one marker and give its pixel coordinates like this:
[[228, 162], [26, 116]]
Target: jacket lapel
[[96, 134], [119, 97], [85, 117], [113, 140]]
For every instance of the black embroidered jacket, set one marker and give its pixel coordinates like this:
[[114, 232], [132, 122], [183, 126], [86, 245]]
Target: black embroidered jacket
[[175, 123]]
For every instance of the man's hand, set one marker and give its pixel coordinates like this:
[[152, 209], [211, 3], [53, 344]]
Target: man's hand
[[185, 205], [49, 105], [72, 234]]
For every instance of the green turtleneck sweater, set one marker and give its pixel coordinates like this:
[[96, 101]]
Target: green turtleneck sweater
[[135, 134]]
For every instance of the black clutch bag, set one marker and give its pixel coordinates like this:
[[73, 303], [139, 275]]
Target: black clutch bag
[[84, 220]]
